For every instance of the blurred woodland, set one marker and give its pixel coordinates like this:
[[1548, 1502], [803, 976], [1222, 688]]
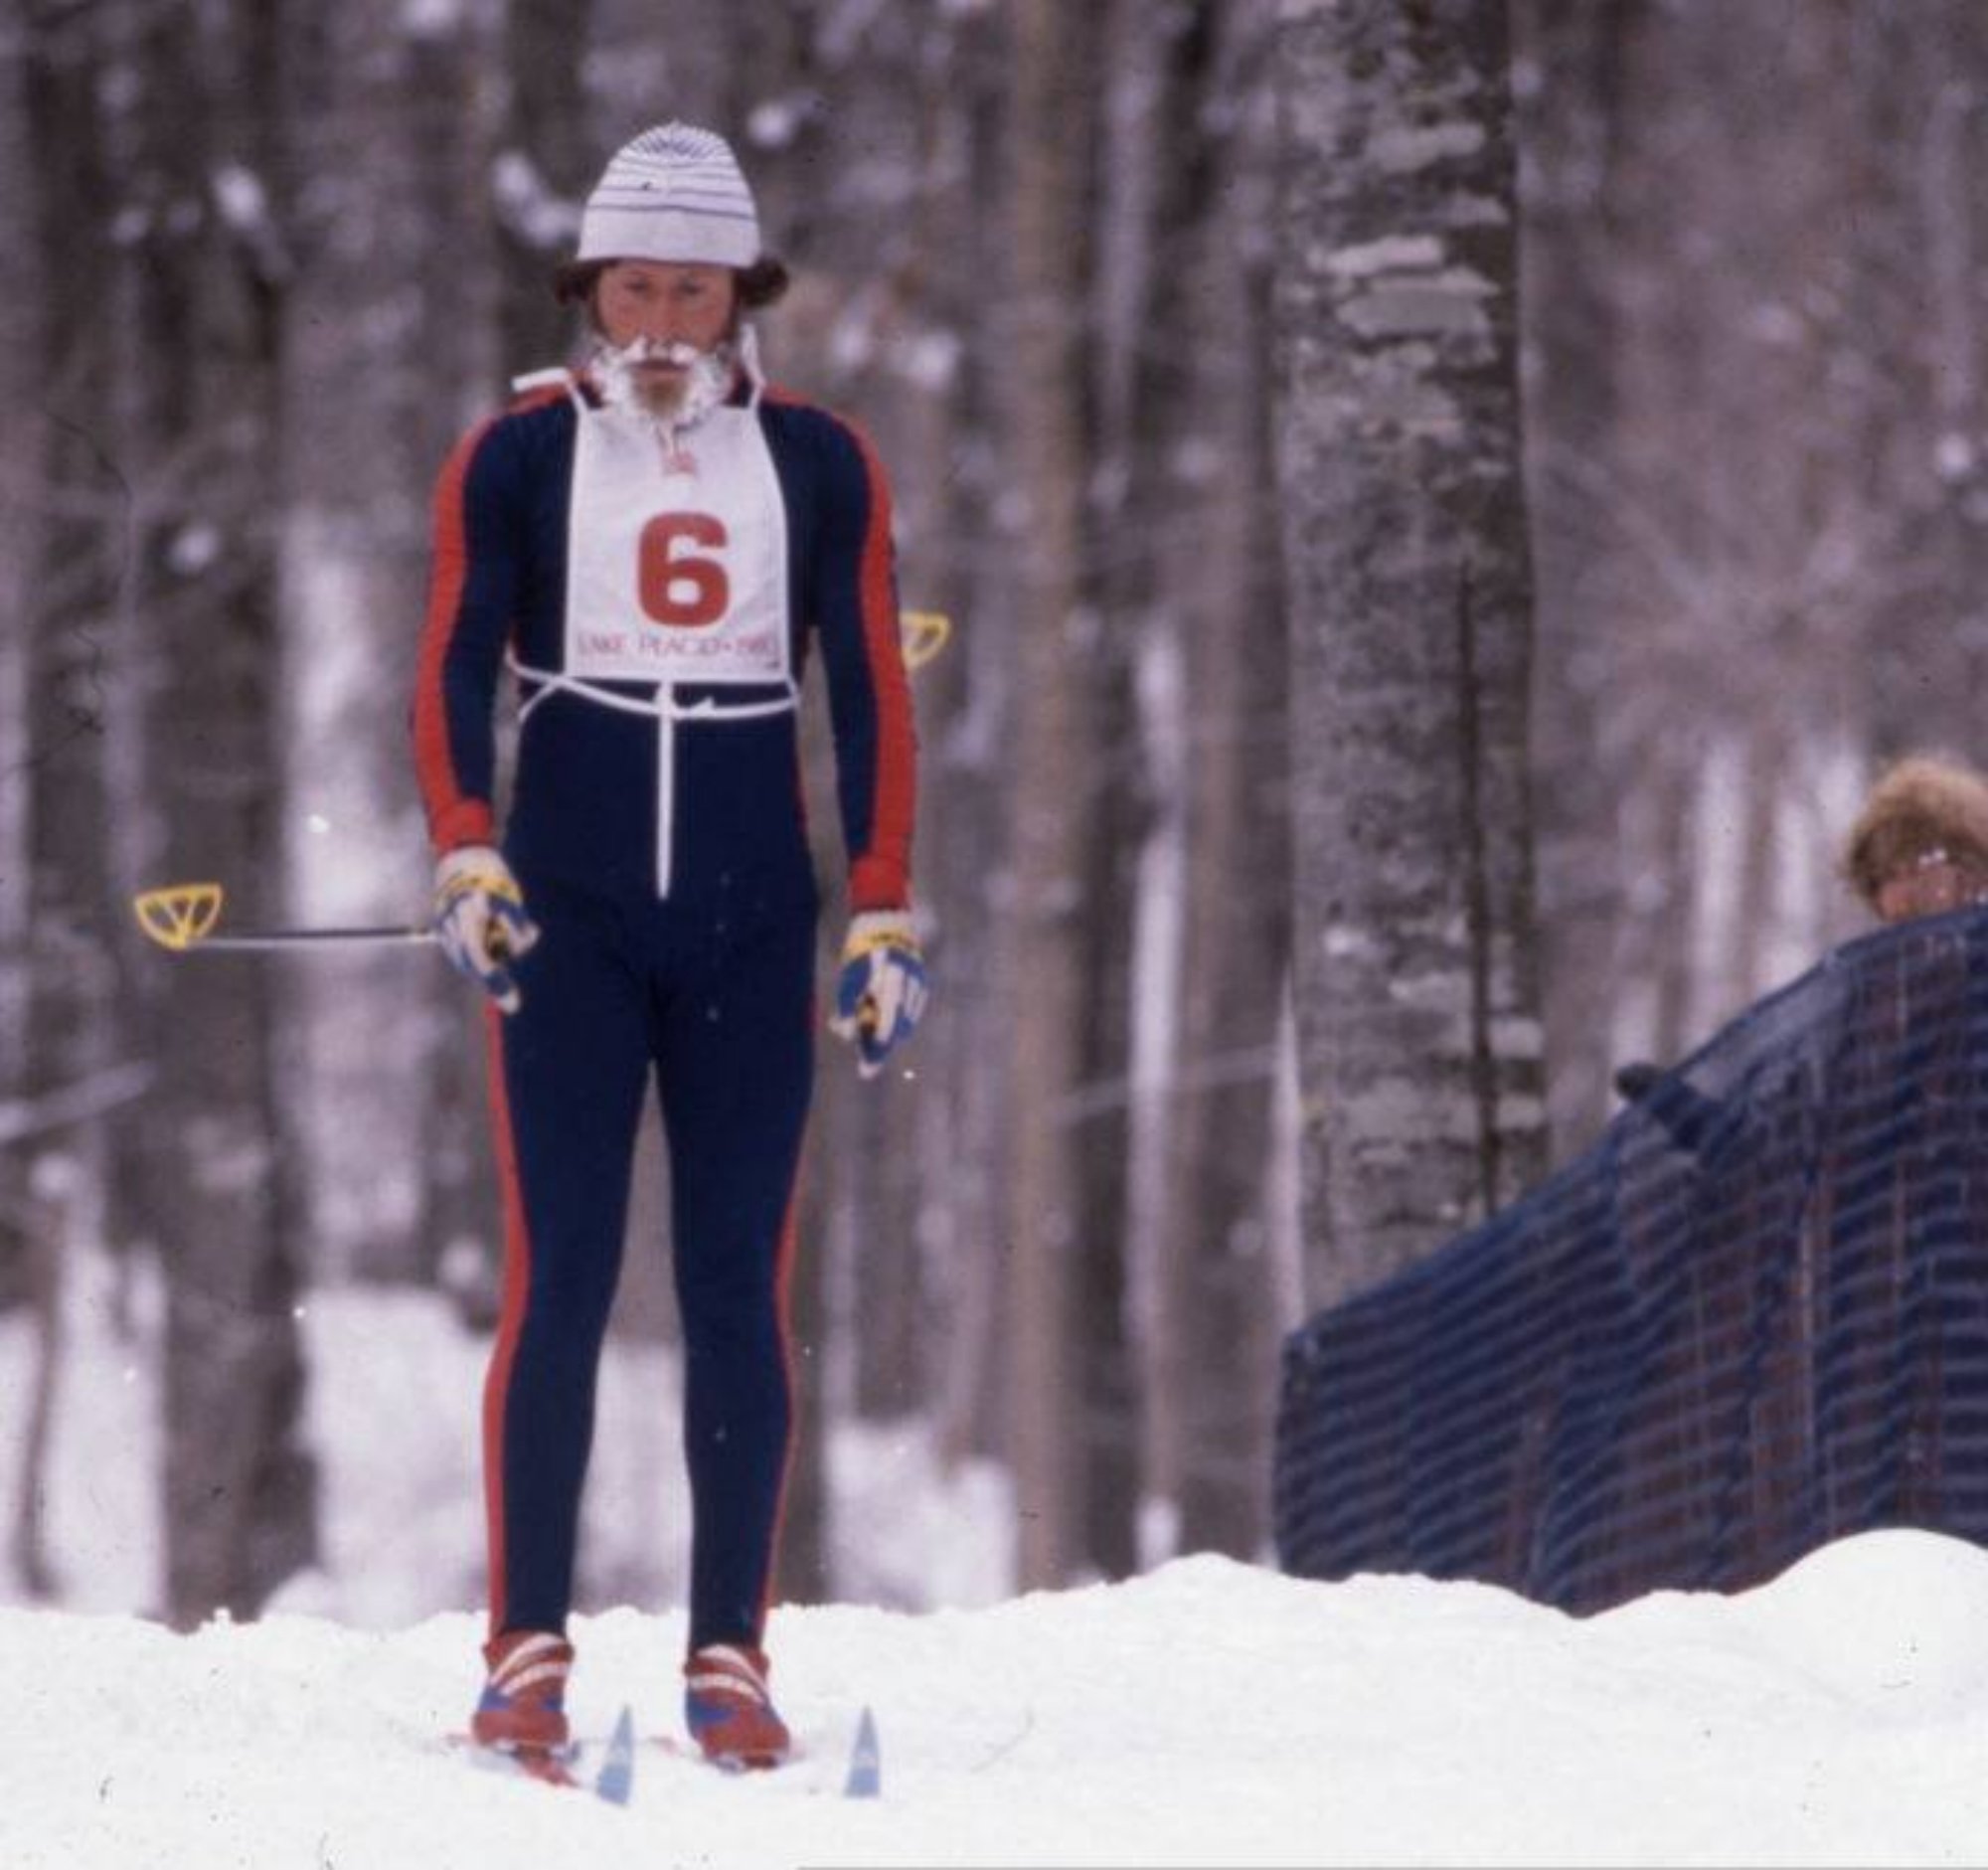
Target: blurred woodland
[[1442, 506]]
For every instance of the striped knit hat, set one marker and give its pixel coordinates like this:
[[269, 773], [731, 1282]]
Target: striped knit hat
[[675, 193]]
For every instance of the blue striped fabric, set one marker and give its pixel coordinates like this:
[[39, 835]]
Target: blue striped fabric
[[1751, 1318]]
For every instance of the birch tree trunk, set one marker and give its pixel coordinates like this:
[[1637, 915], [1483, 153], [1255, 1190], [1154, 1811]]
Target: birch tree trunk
[[1405, 551]]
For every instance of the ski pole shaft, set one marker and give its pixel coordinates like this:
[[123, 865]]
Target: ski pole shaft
[[182, 917], [304, 937]]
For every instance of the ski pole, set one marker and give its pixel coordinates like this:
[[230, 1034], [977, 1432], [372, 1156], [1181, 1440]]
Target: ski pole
[[182, 917], [924, 634]]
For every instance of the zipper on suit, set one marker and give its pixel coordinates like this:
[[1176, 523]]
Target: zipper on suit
[[666, 783]]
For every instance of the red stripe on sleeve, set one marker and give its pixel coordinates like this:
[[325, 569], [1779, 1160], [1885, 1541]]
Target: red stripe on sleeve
[[880, 874], [453, 817]]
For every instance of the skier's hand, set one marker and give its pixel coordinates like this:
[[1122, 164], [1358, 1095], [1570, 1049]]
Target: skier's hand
[[880, 991], [480, 920]]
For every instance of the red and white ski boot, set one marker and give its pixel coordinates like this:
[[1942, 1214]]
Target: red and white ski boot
[[522, 1710], [730, 1709]]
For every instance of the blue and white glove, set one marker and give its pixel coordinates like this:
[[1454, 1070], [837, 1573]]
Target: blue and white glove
[[880, 991], [480, 920]]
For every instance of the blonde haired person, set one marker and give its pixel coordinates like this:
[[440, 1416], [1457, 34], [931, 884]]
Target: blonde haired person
[[1920, 844]]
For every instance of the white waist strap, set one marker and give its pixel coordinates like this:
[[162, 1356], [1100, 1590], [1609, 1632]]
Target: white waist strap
[[666, 710], [663, 705]]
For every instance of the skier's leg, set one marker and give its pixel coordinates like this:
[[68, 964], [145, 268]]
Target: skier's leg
[[567, 1081], [735, 1072]]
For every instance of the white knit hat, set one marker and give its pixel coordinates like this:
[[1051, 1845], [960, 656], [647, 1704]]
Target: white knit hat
[[675, 193]]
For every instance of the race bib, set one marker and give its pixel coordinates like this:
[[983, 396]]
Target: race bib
[[676, 553]]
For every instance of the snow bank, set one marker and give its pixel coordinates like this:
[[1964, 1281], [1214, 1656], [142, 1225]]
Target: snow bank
[[1208, 1713]]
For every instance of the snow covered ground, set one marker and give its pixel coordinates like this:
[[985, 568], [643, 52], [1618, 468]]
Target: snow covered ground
[[393, 1417], [1207, 1714]]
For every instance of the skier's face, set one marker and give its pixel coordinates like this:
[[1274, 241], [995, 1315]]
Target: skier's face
[[666, 303]]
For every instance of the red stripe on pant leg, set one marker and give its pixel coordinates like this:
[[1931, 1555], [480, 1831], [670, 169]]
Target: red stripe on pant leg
[[783, 1281], [511, 1320]]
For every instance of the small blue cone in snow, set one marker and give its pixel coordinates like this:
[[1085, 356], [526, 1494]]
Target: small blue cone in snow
[[866, 1761], [616, 1778]]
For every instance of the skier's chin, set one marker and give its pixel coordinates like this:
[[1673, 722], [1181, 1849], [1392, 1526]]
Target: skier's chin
[[659, 389], [678, 388]]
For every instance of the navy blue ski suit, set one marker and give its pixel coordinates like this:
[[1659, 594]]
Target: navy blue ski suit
[[658, 830]]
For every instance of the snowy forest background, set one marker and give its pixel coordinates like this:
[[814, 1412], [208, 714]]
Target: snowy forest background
[[1443, 506]]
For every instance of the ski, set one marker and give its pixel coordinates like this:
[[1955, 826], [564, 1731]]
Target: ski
[[550, 1765], [612, 1782], [571, 1767]]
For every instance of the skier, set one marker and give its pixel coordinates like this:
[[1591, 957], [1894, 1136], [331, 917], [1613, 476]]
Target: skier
[[653, 543]]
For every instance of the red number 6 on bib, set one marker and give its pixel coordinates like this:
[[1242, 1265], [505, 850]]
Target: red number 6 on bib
[[682, 589]]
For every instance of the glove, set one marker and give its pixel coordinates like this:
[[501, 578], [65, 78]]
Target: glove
[[480, 920], [879, 992]]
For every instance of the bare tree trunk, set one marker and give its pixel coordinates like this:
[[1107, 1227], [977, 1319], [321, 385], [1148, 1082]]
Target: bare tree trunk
[[1043, 978], [1238, 938], [1201, 603], [396, 248], [1409, 589], [209, 273], [1104, 1425], [43, 1215], [549, 159], [968, 705], [1571, 147], [23, 366], [484, 289], [77, 667]]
